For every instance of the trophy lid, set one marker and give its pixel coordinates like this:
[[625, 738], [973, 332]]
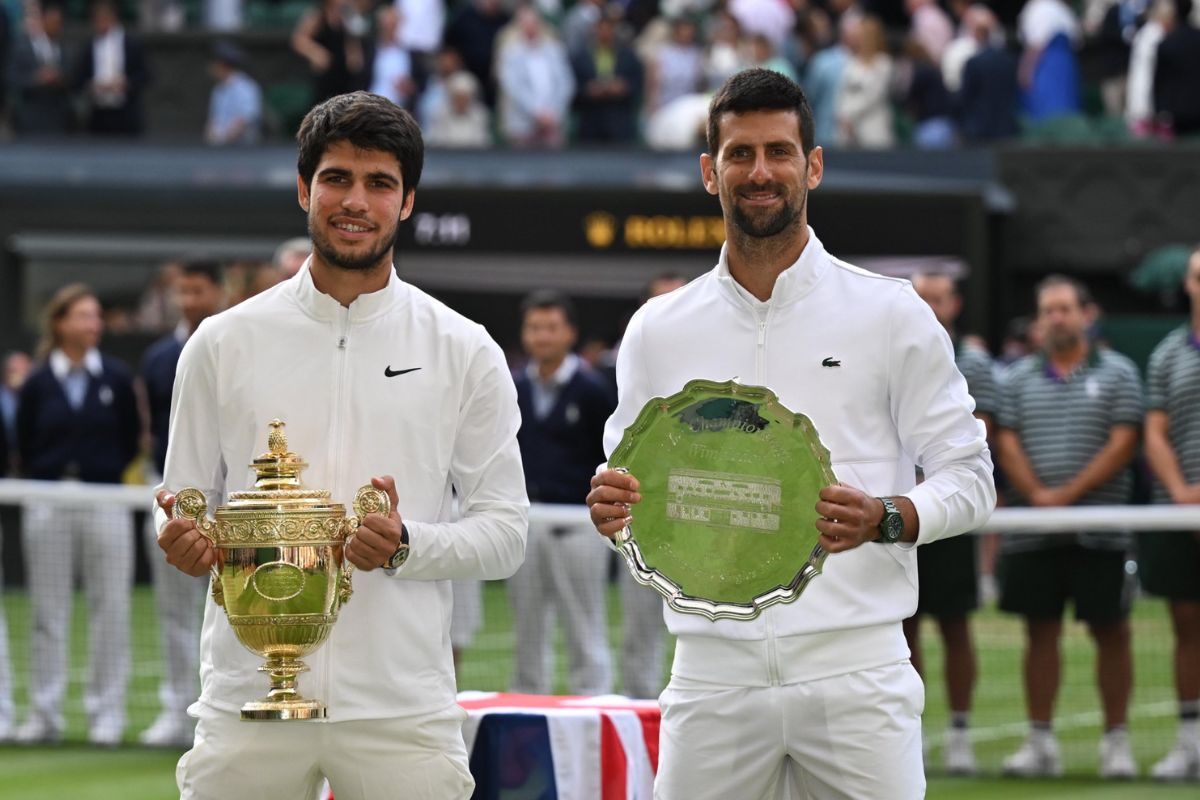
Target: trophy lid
[[278, 480]]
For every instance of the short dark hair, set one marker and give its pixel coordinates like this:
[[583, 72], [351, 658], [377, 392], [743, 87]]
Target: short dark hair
[[544, 299], [1050, 281], [203, 268], [760, 89], [368, 122]]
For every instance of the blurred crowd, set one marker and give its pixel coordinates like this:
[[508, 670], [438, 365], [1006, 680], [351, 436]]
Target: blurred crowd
[[548, 73]]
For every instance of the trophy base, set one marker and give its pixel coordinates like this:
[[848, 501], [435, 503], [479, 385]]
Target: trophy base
[[268, 711]]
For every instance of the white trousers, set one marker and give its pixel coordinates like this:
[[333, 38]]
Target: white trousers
[[179, 601], [564, 574], [418, 758], [852, 737], [643, 637], [99, 542]]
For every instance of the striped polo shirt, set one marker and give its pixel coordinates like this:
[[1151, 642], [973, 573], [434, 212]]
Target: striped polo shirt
[[977, 368], [1173, 386], [1063, 421]]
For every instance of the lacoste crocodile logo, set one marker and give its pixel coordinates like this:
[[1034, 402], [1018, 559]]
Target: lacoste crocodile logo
[[830, 361]]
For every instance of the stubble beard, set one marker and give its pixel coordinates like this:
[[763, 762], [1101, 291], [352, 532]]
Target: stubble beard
[[766, 227], [352, 263]]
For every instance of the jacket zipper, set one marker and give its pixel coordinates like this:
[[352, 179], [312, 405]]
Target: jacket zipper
[[335, 457], [760, 367]]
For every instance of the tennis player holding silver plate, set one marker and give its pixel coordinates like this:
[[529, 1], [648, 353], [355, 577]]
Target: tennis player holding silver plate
[[816, 697]]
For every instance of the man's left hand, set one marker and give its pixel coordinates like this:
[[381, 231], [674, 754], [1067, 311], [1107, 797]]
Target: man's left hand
[[377, 536], [849, 517]]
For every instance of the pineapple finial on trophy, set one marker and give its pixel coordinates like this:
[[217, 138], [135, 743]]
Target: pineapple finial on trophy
[[277, 439]]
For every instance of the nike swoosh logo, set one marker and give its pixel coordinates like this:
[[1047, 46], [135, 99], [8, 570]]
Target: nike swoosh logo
[[830, 361], [391, 373]]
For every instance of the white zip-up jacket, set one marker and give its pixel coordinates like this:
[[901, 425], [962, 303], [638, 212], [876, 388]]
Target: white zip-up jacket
[[449, 420], [895, 401]]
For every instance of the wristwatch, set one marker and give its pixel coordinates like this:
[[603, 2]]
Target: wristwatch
[[891, 527], [401, 555]]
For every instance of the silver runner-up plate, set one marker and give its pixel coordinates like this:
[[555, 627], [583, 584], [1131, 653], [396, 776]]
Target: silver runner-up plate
[[729, 479]]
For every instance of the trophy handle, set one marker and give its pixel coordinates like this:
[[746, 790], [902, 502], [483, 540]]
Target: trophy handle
[[190, 503], [367, 500]]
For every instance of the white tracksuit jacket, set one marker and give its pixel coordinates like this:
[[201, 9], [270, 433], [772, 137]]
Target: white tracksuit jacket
[[895, 401], [297, 354]]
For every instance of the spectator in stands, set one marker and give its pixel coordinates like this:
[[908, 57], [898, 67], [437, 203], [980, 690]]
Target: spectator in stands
[[1143, 57], [434, 95], [235, 107], [178, 598], [643, 630], [564, 405], [863, 106], [948, 586], [420, 32], [962, 47], [1049, 69], [1066, 433], [1177, 74], [771, 18], [579, 24], [77, 421], [331, 37], [927, 101], [223, 15], [461, 120], [290, 256], [536, 84], [676, 68], [7, 38], [726, 54], [763, 55], [987, 101], [472, 32], [43, 103], [930, 26], [608, 77], [823, 77], [1169, 561], [392, 75], [113, 71]]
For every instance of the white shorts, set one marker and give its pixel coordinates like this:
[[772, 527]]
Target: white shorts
[[855, 736], [363, 759]]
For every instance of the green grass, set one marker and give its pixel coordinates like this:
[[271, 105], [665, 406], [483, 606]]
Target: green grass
[[131, 773]]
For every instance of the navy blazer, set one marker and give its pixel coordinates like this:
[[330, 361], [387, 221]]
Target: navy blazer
[[94, 443], [158, 374]]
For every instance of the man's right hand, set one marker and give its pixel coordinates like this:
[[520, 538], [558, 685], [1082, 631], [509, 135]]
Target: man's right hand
[[612, 494], [186, 548]]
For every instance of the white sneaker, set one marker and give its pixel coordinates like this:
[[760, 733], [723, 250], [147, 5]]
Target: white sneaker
[[106, 733], [1181, 764], [958, 756], [169, 730], [1116, 756], [35, 730], [1037, 758]]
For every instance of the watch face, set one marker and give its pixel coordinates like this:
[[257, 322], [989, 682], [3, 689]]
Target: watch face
[[893, 527]]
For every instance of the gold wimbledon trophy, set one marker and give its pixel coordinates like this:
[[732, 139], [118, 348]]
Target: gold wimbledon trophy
[[281, 573]]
